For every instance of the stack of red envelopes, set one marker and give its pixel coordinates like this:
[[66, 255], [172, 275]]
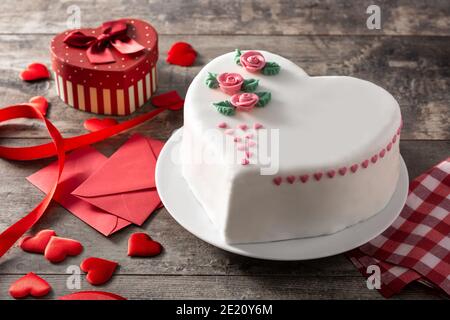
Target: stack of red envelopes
[[107, 193]]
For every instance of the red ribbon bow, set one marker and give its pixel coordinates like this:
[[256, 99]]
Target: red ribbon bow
[[113, 33]]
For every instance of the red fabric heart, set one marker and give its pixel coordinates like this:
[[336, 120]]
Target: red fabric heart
[[59, 248], [35, 71], [37, 243], [170, 100], [141, 245], [40, 103], [98, 270], [29, 285], [182, 54], [92, 295], [95, 124]]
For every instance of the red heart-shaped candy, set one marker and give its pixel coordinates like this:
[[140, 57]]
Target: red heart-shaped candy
[[35, 71], [95, 124], [182, 54], [170, 100], [29, 285], [98, 270], [141, 245], [37, 243], [59, 248], [40, 103], [92, 295]]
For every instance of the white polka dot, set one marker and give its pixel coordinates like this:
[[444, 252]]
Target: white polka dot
[[81, 61], [124, 75]]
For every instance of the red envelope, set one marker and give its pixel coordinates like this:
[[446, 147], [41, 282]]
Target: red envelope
[[79, 165], [124, 185]]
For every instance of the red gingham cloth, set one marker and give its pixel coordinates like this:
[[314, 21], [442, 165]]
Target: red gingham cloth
[[417, 245]]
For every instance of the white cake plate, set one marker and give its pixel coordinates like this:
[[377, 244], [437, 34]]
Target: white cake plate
[[189, 213]]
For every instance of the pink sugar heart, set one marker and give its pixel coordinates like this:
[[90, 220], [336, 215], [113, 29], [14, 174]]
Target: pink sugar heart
[[277, 180], [354, 167], [318, 176], [257, 126], [243, 127], [398, 131], [394, 139], [248, 154], [237, 139], [365, 163], [251, 143], [222, 125], [382, 153], [304, 178], [249, 136], [229, 132], [331, 173], [245, 162], [290, 179], [389, 146], [374, 158], [342, 171]]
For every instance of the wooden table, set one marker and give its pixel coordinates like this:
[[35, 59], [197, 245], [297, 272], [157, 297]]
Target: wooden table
[[409, 57]]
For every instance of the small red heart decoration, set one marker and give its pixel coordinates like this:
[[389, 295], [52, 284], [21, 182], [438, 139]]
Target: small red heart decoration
[[374, 158], [354, 167], [98, 270], [318, 175], [382, 153], [331, 173], [182, 54], [365, 163], [277, 180], [95, 124], [37, 243], [170, 100], [35, 71], [291, 179], [92, 295], [40, 103], [304, 178], [29, 285], [141, 245], [59, 248], [343, 171]]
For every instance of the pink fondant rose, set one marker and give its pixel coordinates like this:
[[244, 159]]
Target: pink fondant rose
[[252, 61], [244, 101], [230, 83]]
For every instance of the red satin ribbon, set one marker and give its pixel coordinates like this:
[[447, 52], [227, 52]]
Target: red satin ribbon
[[58, 147], [113, 33]]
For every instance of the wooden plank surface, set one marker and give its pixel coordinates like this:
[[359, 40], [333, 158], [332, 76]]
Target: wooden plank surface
[[408, 57], [310, 17]]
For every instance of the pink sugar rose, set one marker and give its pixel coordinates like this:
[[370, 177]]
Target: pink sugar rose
[[230, 83], [244, 101], [252, 61]]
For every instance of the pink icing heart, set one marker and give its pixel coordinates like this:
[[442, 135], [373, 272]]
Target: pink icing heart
[[331, 173], [304, 178], [318, 176], [237, 139], [257, 126], [277, 181], [389, 146], [243, 127], [374, 158], [394, 139], [382, 153], [248, 154], [222, 125], [354, 167], [365, 163], [398, 131], [291, 179], [342, 171], [245, 162]]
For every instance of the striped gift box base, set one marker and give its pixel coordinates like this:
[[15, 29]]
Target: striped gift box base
[[100, 100]]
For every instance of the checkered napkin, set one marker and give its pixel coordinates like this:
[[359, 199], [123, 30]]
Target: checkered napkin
[[416, 247]]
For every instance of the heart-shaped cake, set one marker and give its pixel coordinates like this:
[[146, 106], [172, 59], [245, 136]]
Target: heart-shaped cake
[[272, 153], [110, 69]]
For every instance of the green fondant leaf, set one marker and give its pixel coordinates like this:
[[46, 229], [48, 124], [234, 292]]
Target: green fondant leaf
[[237, 57], [211, 80], [264, 98], [225, 108], [250, 85], [271, 69]]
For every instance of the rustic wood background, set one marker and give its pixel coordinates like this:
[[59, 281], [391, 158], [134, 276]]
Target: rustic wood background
[[409, 57]]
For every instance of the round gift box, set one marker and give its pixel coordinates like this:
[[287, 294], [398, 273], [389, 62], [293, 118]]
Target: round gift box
[[116, 88]]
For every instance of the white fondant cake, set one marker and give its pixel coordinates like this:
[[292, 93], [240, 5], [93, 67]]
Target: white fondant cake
[[322, 155]]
